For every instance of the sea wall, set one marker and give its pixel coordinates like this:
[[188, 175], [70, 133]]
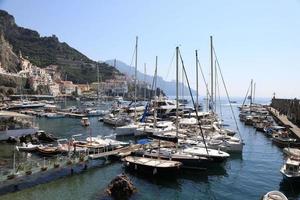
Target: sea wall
[[288, 107]]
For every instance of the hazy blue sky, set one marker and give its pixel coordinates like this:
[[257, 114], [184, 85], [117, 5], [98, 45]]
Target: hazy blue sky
[[253, 39]]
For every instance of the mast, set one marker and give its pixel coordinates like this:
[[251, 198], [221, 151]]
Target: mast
[[212, 74], [215, 107], [197, 94], [155, 94], [145, 85], [251, 92], [98, 81], [135, 76], [177, 79], [254, 92]]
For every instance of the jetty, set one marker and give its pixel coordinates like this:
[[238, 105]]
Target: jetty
[[121, 152], [70, 114], [282, 119]]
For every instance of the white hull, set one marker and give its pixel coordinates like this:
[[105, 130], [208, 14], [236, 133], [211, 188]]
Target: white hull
[[126, 130]]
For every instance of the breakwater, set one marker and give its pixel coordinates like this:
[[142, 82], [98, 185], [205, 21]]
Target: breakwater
[[288, 107]]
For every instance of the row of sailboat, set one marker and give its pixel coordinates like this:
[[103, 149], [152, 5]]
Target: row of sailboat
[[199, 137]]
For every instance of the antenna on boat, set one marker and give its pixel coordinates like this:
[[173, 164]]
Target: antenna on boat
[[145, 85]]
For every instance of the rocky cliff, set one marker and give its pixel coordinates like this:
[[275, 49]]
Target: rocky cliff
[[43, 51]]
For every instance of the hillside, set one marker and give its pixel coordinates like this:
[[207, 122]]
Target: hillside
[[169, 87], [43, 51]]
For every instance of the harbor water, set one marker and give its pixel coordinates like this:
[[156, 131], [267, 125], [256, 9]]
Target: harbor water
[[246, 176]]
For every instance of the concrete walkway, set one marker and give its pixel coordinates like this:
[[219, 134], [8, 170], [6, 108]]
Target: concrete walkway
[[285, 121]]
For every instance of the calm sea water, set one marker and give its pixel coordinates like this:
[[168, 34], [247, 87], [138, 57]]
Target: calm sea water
[[247, 176]]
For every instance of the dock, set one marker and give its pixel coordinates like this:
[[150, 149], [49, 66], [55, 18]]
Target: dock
[[121, 152], [283, 120], [70, 114]]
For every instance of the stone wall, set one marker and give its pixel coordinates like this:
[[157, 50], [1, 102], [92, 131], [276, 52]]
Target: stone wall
[[288, 107]]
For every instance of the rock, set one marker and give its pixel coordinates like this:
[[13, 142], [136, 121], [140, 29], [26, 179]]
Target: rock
[[120, 188]]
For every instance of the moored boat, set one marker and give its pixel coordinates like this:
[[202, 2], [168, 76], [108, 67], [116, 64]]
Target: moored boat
[[291, 169], [152, 165], [85, 121], [274, 195]]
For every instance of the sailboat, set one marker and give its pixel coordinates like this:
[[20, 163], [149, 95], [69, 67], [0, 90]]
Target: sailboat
[[129, 129], [152, 165]]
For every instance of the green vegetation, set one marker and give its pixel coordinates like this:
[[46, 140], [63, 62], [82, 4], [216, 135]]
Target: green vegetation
[[43, 51]]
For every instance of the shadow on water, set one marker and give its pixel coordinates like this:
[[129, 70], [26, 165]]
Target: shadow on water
[[236, 156], [290, 188]]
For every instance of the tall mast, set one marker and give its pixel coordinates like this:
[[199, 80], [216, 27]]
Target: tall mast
[[254, 92], [135, 76], [98, 81], [145, 85], [177, 79], [251, 92], [215, 107], [212, 74], [197, 94], [155, 94]]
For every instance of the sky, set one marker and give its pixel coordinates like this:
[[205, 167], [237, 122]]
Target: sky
[[254, 39]]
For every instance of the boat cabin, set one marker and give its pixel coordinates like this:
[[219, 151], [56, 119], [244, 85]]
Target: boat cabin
[[292, 166]]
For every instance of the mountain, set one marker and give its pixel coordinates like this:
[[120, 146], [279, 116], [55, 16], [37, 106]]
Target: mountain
[[169, 87], [43, 51]]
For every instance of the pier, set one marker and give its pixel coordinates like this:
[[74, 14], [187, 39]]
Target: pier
[[118, 152], [70, 114], [283, 120]]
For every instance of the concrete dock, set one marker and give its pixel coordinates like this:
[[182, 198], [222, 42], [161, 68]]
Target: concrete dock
[[118, 152], [283, 120]]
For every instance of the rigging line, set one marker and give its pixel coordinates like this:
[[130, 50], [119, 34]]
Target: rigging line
[[218, 86], [246, 95], [190, 91], [131, 62], [225, 87], [170, 65], [206, 85]]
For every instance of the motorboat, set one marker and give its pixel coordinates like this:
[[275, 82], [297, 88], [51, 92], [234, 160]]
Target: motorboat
[[28, 147], [290, 170], [295, 152], [282, 142], [54, 115], [113, 120], [95, 112], [216, 155], [274, 195], [128, 129], [85, 121]]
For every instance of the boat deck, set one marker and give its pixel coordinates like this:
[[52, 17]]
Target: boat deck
[[152, 162], [285, 121]]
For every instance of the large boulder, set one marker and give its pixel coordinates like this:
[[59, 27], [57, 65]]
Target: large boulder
[[121, 188]]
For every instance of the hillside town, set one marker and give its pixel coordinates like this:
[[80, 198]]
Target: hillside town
[[50, 77]]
